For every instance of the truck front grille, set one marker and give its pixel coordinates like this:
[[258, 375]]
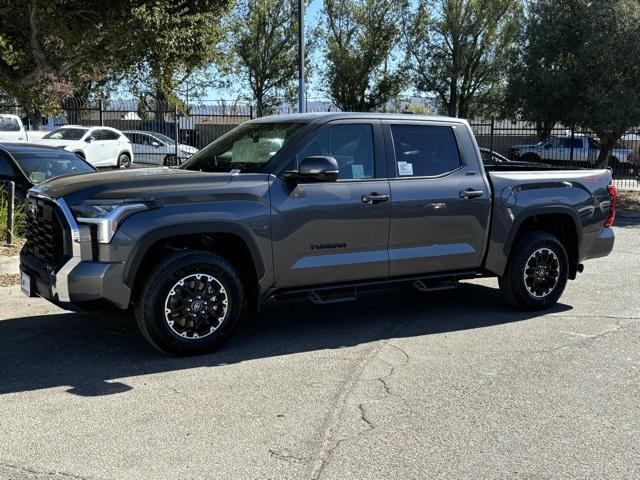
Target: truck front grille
[[44, 232]]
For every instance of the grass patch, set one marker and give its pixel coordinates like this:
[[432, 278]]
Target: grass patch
[[19, 219]]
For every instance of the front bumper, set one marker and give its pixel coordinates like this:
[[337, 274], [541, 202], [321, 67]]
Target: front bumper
[[77, 282]]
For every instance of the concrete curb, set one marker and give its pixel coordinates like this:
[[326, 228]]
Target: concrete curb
[[9, 265]]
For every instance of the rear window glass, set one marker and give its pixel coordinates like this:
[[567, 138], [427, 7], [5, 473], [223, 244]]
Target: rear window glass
[[41, 166], [424, 150], [9, 124]]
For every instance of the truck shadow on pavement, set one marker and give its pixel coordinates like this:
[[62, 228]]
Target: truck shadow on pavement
[[87, 351]]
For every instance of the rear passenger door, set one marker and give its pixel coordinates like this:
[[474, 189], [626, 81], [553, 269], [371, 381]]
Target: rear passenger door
[[440, 201]]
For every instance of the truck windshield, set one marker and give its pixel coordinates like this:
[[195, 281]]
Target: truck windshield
[[66, 134], [247, 148], [41, 166], [9, 124]]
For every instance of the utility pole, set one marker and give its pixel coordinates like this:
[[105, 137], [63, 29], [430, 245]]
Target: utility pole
[[302, 107]]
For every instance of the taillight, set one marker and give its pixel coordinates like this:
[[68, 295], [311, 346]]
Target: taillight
[[613, 193]]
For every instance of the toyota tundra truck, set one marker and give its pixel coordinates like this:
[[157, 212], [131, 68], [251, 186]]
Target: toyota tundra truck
[[318, 205]]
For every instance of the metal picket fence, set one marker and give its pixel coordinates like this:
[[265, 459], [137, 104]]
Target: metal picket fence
[[162, 133], [563, 146]]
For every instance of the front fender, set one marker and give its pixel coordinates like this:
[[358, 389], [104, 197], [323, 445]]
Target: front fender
[[248, 220], [143, 244]]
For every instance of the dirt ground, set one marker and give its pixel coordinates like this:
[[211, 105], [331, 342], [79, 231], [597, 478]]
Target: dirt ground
[[629, 201]]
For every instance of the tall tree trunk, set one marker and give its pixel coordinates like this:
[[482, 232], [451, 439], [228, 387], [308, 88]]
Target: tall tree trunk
[[35, 119], [453, 98], [607, 142], [543, 129]]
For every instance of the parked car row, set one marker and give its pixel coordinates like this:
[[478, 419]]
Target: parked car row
[[580, 149], [101, 146]]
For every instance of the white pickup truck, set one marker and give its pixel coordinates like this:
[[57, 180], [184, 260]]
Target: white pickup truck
[[558, 149], [12, 130]]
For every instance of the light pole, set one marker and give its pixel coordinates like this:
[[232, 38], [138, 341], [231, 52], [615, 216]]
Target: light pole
[[301, 88]]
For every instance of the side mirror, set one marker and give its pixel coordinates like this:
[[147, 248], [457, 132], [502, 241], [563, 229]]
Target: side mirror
[[155, 144], [547, 146], [89, 139], [314, 169]]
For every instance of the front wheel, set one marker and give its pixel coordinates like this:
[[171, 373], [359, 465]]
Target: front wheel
[[190, 303], [537, 272], [171, 161]]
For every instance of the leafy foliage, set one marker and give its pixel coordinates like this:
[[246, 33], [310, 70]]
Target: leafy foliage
[[579, 65], [360, 37], [263, 38], [45, 41], [459, 50]]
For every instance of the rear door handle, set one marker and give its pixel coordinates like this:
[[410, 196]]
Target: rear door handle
[[470, 193], [374, 197]]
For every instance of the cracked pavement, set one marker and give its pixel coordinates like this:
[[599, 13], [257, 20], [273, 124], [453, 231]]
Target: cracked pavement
[[400, 384]]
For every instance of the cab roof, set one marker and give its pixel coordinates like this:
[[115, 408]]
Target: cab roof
[[323, 117]]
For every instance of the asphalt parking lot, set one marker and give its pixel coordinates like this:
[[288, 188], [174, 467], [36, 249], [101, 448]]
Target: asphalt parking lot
[[397, 385]]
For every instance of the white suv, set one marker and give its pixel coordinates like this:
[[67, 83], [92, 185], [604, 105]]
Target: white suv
[[100, 146]]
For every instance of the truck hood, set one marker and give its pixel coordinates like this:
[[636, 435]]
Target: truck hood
[[140, 184]]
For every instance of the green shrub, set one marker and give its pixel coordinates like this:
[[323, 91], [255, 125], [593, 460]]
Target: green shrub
[[19, 219]]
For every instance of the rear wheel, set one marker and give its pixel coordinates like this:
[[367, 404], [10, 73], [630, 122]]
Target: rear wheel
[[124, 161], [537, 272], [190, 303]]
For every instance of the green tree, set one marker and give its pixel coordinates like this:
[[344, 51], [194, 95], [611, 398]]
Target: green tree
[[360, 37], [458, 51], [579, 65], [264, 40], [44, 41]]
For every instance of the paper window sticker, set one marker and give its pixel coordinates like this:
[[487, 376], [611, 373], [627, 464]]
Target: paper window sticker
[[405, 168], [357, 171]]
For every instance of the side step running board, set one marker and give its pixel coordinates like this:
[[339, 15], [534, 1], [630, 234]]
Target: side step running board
[[424, 285], [323, 298]]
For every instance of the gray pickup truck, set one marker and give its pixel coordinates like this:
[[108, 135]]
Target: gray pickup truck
[[320, 205]]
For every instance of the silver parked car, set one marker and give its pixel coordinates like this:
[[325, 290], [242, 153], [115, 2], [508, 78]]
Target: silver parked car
[[156, 148]]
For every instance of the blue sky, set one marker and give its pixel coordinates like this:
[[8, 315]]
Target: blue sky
[[311, 19]]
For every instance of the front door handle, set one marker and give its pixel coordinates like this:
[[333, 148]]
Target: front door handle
[[374, 197], [470, 193]]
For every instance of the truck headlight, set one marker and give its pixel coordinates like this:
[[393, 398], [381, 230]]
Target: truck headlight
[[106, 216]]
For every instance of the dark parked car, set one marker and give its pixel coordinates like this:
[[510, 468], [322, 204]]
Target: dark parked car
[[321, 205], [29, 165]]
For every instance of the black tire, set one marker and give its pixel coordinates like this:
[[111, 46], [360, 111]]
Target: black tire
[[156, 294], [171, 161], [530, 293], [124, 160]]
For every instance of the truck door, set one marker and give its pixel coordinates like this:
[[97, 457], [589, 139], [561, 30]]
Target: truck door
[[334, 231], [440, 201]]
